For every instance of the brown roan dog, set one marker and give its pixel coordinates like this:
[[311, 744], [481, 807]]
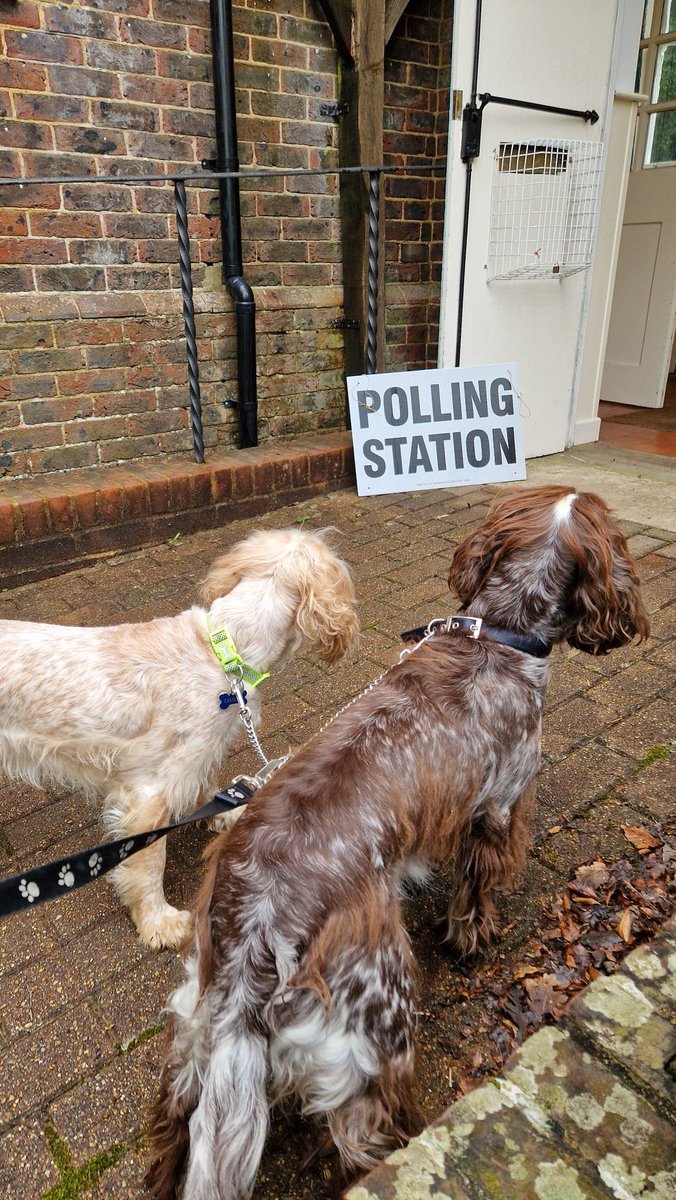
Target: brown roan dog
[[302, 982]]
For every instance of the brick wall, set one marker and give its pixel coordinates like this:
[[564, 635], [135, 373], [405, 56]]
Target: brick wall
[[417, 74], [93, 358]]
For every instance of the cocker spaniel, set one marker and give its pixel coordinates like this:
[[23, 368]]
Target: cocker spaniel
[[302, 982], [131, 713]]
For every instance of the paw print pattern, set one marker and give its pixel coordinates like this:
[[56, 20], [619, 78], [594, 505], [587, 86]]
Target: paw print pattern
[[29, 891], [124, 850], [94, 861], [66, 877]]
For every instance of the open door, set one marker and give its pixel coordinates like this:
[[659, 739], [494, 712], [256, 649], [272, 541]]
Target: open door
[[643, 316]]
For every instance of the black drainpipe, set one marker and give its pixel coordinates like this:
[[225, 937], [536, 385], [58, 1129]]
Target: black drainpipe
[[231, 231]]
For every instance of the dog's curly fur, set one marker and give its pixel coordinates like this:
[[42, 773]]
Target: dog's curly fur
[[303, 979], [130, 713]]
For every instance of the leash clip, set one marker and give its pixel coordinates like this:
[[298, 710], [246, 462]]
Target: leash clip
[[269, 769], [254, 782]]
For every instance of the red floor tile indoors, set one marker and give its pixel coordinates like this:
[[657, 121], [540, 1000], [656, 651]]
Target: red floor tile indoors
[[646, 431]]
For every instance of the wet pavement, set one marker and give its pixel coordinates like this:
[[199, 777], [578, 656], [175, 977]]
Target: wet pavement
[[81, 999]]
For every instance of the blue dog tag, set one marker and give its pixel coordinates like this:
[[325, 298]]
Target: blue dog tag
[[227, 698]]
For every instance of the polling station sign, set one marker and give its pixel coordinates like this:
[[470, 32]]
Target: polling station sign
[[413, 430]]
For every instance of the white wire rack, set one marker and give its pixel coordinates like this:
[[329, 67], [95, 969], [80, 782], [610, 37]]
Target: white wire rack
[[543, 208]]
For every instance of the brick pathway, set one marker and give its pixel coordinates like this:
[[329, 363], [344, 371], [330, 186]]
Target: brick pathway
[[81, 999]]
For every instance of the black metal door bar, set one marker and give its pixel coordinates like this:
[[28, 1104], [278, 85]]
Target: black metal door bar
[[470, 146], [587, 114]]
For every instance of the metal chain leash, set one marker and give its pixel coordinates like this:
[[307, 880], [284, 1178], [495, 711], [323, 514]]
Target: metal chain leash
[[236, 688], [433, 627], [272, 765]]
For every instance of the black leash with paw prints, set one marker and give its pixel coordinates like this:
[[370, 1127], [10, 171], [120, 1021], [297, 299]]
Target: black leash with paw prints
[[65, 875]]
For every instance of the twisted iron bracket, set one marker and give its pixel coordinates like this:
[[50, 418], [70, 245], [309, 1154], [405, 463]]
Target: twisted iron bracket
[[189, 319]]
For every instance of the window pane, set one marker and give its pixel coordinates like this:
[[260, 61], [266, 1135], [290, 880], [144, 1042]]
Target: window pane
[[639, 70], [668, 17], [647, 17], [661, 144], [664, 87]]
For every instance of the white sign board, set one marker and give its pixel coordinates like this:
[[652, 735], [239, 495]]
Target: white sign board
[[413, 430]]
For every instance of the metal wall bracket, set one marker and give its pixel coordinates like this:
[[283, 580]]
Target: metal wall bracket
[[344, 323], [339, 109]]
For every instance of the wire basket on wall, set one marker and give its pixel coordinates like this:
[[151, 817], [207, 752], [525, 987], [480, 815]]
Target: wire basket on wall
[[543, 208]]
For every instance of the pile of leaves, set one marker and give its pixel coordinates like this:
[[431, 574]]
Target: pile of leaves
[[607, 910]]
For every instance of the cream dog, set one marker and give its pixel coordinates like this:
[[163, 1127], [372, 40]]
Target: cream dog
[[130, 713]]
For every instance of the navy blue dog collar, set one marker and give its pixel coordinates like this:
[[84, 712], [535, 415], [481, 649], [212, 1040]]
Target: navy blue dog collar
[[476, 628]]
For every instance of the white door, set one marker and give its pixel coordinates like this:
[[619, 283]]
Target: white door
[[643, 317], [552, 54]]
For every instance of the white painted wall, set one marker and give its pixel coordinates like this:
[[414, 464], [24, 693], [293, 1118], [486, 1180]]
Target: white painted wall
[[554, 53]]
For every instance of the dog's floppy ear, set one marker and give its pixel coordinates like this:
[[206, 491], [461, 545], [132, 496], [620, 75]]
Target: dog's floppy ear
[[472, 563], [224, 574], [326, 616], [606, 609]]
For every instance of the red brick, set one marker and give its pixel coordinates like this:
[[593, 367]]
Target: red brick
[[29, 77], [136, 500], [87, 511], [180, 493], [26, 15], [13, 223], [291, 471], [32, 251], [82, 21], [221, 484], [88, 333], [264, 478], [112, 505], [6, 524], [158, 495], [200, 488], [61, 511], [34, 519], [153, 33], [79, 383], [43, 47], [242, 481], [65, 225]]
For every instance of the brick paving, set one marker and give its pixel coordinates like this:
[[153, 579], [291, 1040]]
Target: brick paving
[[81, 999]]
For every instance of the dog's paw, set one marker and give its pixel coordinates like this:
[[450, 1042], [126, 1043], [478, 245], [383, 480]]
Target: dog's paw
[[224, 820], [466, 936], [170, 929]]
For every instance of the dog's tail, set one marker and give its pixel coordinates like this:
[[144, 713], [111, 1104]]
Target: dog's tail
[[210, 1120], [229, 1125]]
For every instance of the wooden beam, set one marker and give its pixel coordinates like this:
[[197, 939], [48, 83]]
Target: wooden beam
[[362, 88], [338, 14], [394, 10]]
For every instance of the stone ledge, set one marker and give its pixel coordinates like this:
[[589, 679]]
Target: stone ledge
[[581, 1111], [52, 525]]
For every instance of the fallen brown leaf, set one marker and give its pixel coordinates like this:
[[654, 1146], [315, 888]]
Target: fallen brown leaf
[[641, 838], [521, 972], [624, 926], [592, 874]]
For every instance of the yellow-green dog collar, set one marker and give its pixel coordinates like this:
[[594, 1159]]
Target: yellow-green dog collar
[[226, 652]]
